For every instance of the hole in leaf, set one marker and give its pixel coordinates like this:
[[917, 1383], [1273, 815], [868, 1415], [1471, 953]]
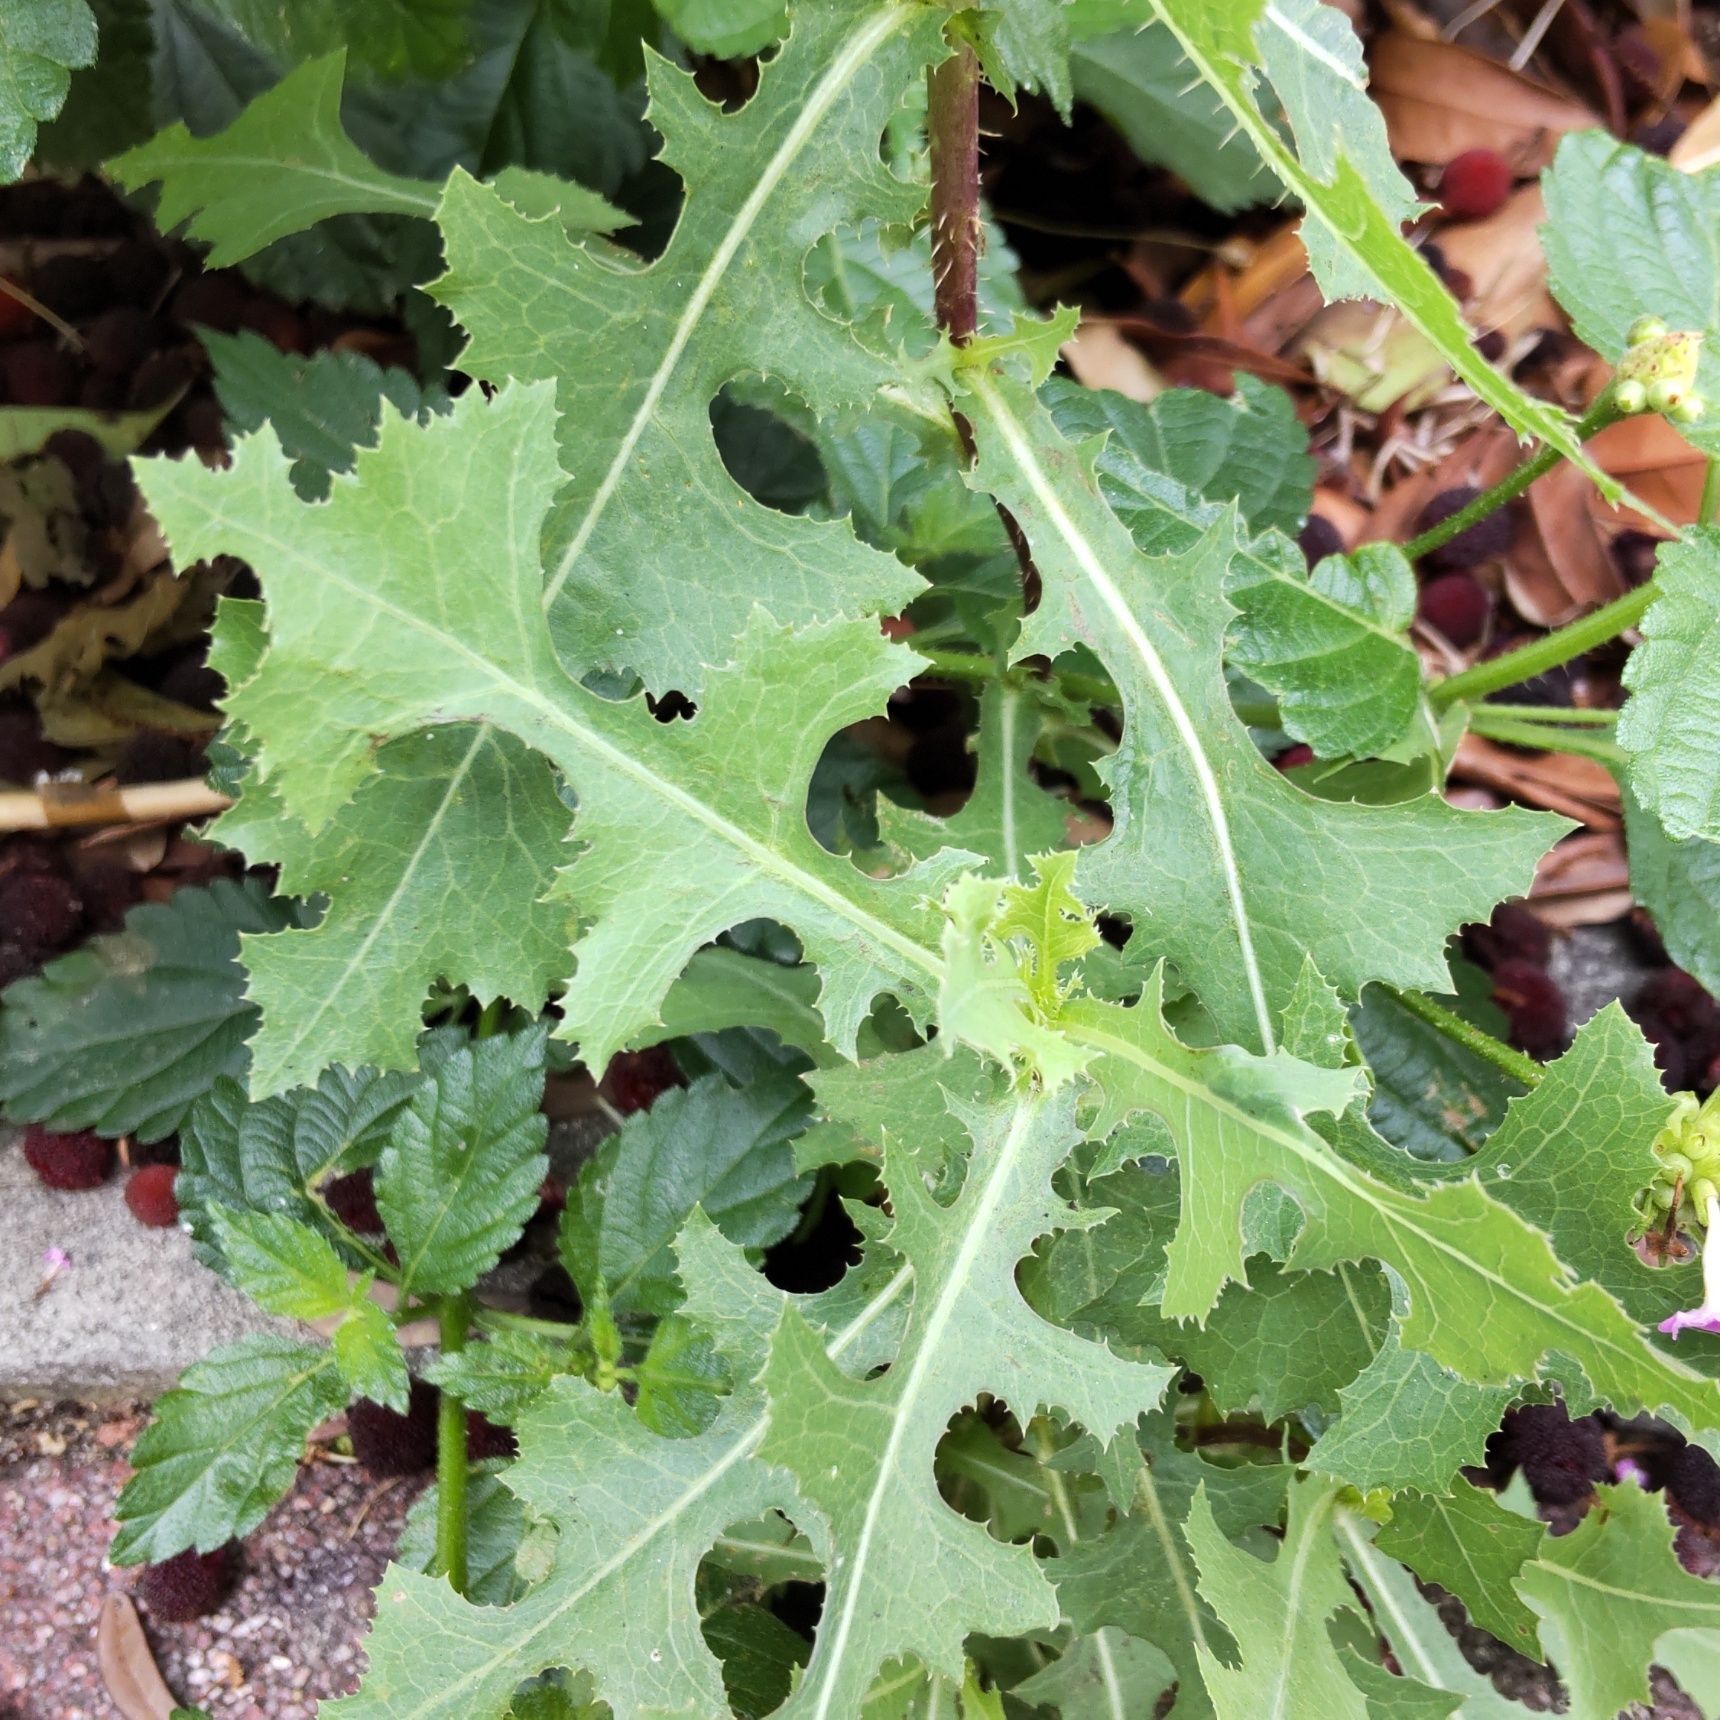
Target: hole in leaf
[[758, 428]]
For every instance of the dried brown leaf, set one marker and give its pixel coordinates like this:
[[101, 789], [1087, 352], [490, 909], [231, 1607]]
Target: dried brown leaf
[[128, 1669], [1506, 268], [1558, 563], [1560, 782], [1440, 99], [1583, 881]]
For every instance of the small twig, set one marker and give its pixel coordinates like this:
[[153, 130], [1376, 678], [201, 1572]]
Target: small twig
[[35, 306], [57, 805]]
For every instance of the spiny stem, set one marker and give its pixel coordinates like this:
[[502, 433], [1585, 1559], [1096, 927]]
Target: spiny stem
[[1605, 411], [1502, 1056], [454, 1317], [1549, 652], [953, 121]]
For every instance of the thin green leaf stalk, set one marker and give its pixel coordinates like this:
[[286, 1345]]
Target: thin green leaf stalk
[[1709, 506], [1503, 1057], [454, 1317], [1605, 411], [1559, 716], [1551, 651], [1547, 737]]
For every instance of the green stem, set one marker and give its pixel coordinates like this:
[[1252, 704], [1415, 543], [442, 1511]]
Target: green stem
[[454, 1317], [1502, 1056], [1562, 716], [1710, 503], [1604, 412], [504, 1319], [1545, 737], [1549, 652]]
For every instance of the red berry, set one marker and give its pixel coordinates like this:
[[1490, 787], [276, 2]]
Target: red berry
[[149, 1194], [635, 1078], [118, 341], [1318, 539], [1475, 184], [188, 1585], [1561, 1459], [40, 911], [485, 1439], [352, 1199], [1693, 1480], [15, 318], [1515, 930], [1293, 756], [388, 1443], [1535, 1005], [37, 373], [1457, 606], [75, 1161], [1487, 538]]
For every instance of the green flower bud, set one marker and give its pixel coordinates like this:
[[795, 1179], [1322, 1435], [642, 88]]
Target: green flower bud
[[1643, 330], [1630, 396], [1688, 410]]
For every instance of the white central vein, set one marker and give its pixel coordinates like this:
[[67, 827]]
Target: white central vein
[[360, 955], [1397, 1219], [1087, 558], [672, 1513], [1072, 1535], [1405, 1640], [843, 69], [1293, 1609], [927, 1356]]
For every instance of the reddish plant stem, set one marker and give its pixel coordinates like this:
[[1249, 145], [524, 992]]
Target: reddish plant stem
[[953, 129], [954, 126]]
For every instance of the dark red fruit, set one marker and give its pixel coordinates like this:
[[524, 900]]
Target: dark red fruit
[[74, 1161], [1634, 554], [1475, 184], [39, 911], [214, 301], [485, 1439], [352, 1199], [1480, 542], [72, 287], [118, 341], [37, 373], [1534, 1004], [388, 1443], [1693, 1480], [1683, 1023], [1515, 930], [24, 754], [1457, 606], [149, 1194], [1292, 757], [1657, 136], [160, 377], [635, 1078], [188, 1585], [1318, 539], [1561, 1459], [1491, 345], [278, 324]]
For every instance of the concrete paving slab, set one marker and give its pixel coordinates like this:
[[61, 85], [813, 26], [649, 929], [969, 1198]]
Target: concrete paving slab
[[133, 1310]]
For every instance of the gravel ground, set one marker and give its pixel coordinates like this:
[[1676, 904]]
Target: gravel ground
[[289, 1634]]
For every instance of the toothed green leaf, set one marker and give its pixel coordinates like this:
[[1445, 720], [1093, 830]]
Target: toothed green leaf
[[653, 552], [41, 43], [223, 1446], [1224, 867]]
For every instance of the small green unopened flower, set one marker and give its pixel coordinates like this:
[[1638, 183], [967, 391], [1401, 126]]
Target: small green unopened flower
[[1658, 372]]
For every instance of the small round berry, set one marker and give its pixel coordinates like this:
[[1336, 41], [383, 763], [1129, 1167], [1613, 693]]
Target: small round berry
[[188, 1585], [1693, 1480], [1666, 393], [79, 1160], [1535, 1005], [1294, 757], [1561, 1459], [40, 910], [1457, 607], [352, 1199], [1486, 539], [1688, 410], [1475, 184], [1645, 329], [388, 1443], [149, 1194], [1318, 539]]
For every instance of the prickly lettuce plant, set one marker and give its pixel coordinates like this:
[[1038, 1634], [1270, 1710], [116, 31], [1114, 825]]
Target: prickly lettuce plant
[[1158, 1355]]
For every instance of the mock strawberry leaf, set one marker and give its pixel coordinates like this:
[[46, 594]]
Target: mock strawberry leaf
[[654, 552], [223, 1447], [1225, 868]]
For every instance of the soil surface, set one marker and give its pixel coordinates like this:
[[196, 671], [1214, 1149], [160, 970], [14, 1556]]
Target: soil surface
[[289, 1634]]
